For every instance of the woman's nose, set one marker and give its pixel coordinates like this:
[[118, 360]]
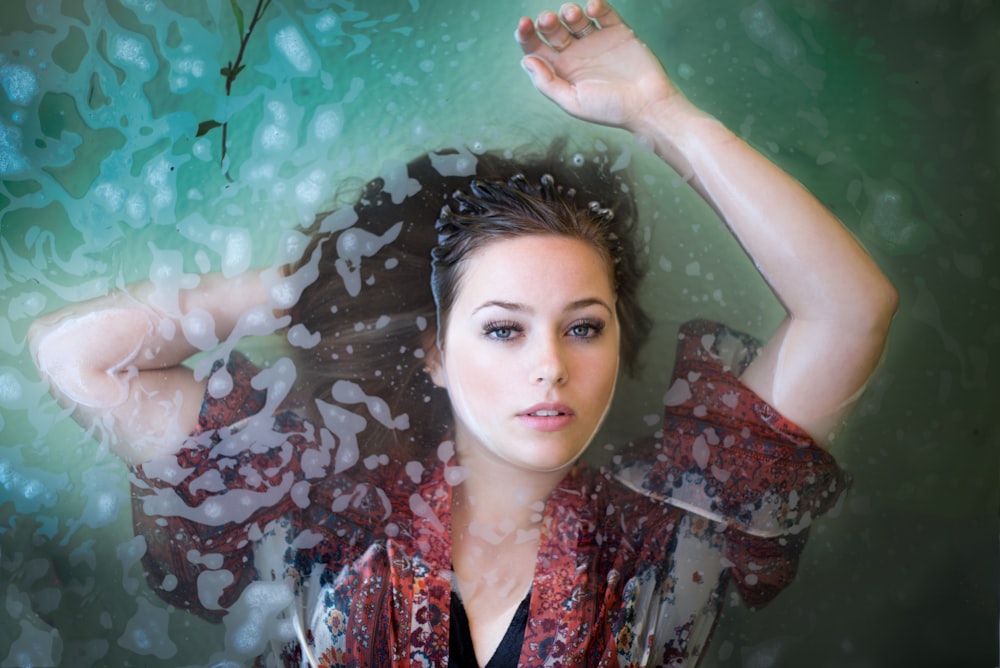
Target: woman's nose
[[549, 363]]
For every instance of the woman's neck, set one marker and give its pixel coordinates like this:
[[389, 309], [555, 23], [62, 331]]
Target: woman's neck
[[496, 523], [498, 499]]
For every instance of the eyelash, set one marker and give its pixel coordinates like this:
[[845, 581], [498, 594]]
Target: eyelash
[[491, 328], [596, 327]]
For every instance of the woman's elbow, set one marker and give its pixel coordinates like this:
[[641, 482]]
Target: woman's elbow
[[883, 303]]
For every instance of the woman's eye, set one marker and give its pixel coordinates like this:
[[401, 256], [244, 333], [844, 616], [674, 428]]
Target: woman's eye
[[500, 331], [586, 330]]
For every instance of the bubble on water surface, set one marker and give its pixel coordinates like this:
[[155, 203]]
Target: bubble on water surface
[[131, 52], [274, 138], [301, 337], [198, 326], [28, 488], [110, 196], [146, 632], [327, 123], [311, 189], [253, 621], [888, 220], [12, 160], [397, 181], [326, 21], [19, 83], [220, 384], [290, 43], [10, 388], [34, 646], [767, 30], [462, 163]]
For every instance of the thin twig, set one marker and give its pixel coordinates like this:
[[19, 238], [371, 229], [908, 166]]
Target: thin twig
[[233, 69]]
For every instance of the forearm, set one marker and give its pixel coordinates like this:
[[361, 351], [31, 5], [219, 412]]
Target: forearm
[[85, 350], [811, 261]]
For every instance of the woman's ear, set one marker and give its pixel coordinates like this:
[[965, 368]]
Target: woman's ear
[[433, 364], [436, 372]]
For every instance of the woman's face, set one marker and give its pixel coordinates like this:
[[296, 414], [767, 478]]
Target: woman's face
[[530, 353]]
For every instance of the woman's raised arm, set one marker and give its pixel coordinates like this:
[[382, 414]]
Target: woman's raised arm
[[117, 360], [839, 303]]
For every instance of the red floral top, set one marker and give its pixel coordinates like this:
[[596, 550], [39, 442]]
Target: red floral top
[[263, 519]]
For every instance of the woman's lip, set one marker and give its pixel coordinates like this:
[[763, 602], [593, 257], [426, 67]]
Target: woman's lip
[[547, 417], [561, 409]]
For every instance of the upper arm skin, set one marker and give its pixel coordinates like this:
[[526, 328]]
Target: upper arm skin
[[813, 372]]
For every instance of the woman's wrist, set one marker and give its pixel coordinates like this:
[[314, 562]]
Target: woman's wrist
[[673, 129]]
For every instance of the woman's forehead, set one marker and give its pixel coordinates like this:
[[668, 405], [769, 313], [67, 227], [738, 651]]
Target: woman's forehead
[[536, 265]]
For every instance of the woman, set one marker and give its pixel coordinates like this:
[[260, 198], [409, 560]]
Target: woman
[[267, 497]]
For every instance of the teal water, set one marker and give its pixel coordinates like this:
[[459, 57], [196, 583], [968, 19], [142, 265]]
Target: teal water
[[112, 170]]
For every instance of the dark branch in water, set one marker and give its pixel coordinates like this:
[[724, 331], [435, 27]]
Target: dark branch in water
[[233, 69]]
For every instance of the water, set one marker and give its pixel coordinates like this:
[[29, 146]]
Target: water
[[112, 170]]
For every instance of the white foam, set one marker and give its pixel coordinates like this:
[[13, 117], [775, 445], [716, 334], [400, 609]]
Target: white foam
[[220, 384], [137, 208], [130, 51], [202, 149], [198, 326], [398, 183], [293, 47], [147, 632], [253, 621], [327, 123], [19, 83], [10, 389], [11, 159], [237, 252], [326, 22], [110, 196], [301, 337], [310, 190], [462, 163], [354, 244], [274, 138], [210, 587]]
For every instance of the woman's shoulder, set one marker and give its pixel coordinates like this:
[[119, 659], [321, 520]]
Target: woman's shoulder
[[702, 342], [724, 453]]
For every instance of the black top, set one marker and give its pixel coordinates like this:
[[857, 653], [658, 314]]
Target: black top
[[460, 651]]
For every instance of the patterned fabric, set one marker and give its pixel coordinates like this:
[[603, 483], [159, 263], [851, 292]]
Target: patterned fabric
[[350, 565]]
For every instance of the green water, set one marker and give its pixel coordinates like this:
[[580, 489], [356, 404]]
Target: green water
[[111, 163]]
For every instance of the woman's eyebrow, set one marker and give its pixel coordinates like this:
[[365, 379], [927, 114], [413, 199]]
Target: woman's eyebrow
[[524, 308], [509, 306], [589, 301]]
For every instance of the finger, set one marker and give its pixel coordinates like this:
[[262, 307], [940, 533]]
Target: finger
[[553, 31], [603, 13], [528, 38], [578, 23], [539, 70], [547, 83]]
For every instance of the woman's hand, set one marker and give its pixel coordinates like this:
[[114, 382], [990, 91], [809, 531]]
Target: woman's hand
[[591, 64]]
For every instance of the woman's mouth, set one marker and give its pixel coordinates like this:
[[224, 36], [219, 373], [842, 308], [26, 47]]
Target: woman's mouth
[[549, 417]]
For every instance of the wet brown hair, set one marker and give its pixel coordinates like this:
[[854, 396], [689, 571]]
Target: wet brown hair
[[383, 269]]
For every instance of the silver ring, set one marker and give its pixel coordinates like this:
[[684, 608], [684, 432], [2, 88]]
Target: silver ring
[[590, 27]]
